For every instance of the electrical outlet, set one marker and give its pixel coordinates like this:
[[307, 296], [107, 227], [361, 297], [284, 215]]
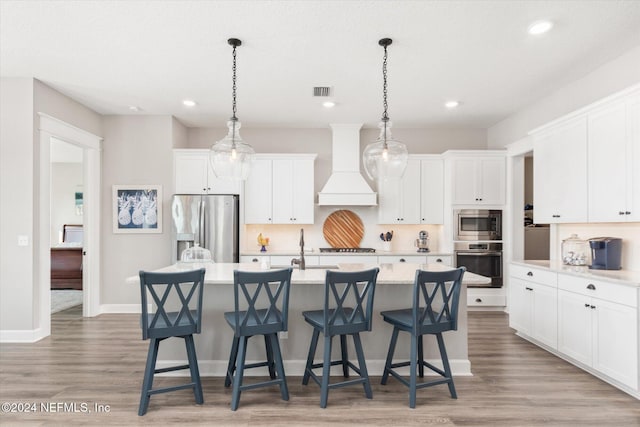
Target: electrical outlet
[[283, 335], [23, 240]]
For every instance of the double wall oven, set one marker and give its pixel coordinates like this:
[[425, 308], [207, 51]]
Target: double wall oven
[[477, 233]]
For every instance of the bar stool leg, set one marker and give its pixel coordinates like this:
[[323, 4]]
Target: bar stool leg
[[413, 380], [420, 357], [237, 378], [392, 349], [445, 364], [279, 366], [345, 356], [363, 366], [149, 370], [312, 352], [231, 367], [326, 369], [193, 368], [269, 350]]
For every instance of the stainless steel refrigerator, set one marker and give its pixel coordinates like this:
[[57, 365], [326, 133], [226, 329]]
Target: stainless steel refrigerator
[[211, 220]]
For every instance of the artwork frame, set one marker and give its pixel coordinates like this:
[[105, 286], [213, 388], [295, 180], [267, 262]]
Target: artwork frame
[[137, 208]]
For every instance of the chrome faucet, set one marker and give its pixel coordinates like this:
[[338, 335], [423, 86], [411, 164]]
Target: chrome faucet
[[300, 261]]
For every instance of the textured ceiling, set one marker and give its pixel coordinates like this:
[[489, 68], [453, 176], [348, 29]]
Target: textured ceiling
[[153, 54]]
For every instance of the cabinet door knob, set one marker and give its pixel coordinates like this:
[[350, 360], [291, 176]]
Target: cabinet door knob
[[530, 273], [439, 260], [591, 286], [403, 260]]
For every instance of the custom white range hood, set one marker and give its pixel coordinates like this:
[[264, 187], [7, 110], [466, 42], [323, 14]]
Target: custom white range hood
[[346, 186]]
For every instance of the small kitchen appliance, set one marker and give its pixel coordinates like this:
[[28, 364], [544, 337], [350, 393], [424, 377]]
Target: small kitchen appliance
[[606, 253], [422, 242]]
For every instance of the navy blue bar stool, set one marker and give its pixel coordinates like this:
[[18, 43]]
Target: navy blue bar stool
[[357, 289], [261, 308], [184, 291], [436, 296]]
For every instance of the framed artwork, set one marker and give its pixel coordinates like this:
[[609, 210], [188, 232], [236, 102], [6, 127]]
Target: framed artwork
[[137, 209]]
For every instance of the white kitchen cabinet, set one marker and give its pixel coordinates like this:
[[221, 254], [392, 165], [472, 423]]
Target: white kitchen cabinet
[[440, 259], [279, 189], [431, 191], [598, 326], [478, 180], [348, 259], [416, 198], [193, 174], [614, 156], [415, 259], [560, 173], [399, 199], [533, 304]]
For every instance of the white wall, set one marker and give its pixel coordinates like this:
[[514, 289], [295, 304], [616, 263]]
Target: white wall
[[66, 180], [611, 77], [16, 201], [136, 151]]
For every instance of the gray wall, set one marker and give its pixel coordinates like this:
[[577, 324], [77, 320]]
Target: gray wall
[[136, 151], [20, 103], [611, 77]]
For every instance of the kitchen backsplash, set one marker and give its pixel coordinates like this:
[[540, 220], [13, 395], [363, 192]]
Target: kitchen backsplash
[[287, 237], [629, 233]]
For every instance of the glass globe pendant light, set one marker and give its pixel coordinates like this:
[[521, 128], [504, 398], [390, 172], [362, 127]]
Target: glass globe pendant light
[[231, 157], [386, 157]]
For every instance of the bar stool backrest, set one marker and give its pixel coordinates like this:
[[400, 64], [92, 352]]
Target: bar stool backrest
[[178, 301], [436, 297], [348, 301], [261, 301]]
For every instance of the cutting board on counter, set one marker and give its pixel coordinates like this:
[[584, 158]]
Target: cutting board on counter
[[343, 229]]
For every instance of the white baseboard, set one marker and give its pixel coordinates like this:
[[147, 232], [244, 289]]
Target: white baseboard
[[218, 368], [22, 336]]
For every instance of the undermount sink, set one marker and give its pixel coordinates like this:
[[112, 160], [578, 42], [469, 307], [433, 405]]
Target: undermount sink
[[308, 267]]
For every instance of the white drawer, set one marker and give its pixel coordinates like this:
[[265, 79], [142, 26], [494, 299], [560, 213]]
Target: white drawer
[[440, 259], [620, 294], [536, 275], [486, 300], [348, 259], [418, 259]]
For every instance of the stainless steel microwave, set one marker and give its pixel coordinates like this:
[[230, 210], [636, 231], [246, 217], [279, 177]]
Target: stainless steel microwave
[[477, 224]]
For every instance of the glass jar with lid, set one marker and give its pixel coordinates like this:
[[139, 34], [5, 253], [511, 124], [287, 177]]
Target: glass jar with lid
[[196, 254], [575, 251]]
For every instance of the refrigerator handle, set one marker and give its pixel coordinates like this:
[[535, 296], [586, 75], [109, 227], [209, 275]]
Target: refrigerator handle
[[201, 221]]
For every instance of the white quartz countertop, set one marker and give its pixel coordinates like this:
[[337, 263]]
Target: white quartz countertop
[[390, 274], [625, 277], [295, 253]]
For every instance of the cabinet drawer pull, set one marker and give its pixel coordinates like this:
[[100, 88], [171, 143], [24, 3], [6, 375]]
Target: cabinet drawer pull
[[403, 260], [586, 305], [593, 306], [439, 260], [627, 213], [478, 299], [555, 216], [620, 213], [530, 273], [529, 289], [591, 286], [254, 260]]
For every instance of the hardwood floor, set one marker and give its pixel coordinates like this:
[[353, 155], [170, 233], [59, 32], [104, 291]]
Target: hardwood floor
[[100, 361]]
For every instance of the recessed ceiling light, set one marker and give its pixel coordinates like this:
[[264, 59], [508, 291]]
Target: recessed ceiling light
[[328, 104], [540, 27], [134, 108], [189, 103], [452, 104]]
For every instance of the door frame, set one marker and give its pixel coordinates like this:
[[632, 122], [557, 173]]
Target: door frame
[[51, 127]]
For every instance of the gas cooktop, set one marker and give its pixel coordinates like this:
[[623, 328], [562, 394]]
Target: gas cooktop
[[351, 250]]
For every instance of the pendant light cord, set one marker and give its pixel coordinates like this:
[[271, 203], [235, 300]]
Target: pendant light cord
[[234, 118], [385, 115]]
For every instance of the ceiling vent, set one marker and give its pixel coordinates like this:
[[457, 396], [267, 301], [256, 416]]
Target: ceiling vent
[[322, 91]]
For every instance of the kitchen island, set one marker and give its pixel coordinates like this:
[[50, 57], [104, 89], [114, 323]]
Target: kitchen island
[[393, 291]]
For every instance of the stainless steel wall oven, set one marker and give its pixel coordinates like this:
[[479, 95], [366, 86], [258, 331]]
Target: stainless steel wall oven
[[482, 258]]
